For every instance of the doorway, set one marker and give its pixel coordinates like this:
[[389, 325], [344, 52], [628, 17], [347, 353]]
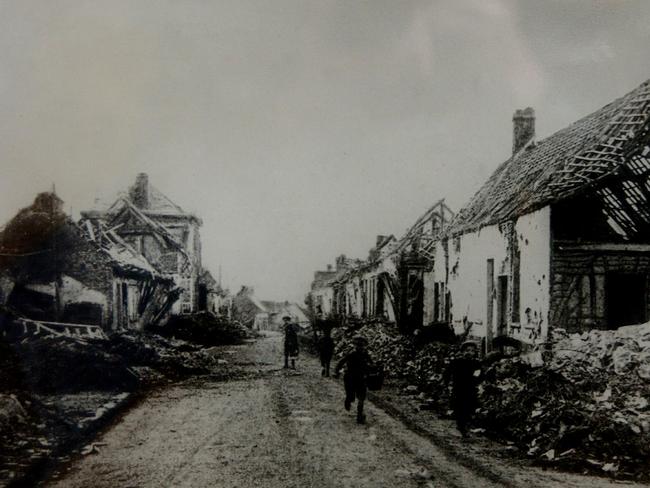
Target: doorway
[[626, 299], [203, 298], [502, 305]]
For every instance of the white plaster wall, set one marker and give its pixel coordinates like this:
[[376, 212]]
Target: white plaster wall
[[327, 297], [467, 276], [353, 291], [468, 271], [429, 296], [534, 236]]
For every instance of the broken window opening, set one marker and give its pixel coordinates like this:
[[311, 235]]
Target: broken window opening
[[626, 295]]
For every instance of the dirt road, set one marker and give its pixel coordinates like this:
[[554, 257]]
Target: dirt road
[[279, 428]]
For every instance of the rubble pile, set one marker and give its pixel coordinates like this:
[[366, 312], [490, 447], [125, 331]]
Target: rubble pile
[[11, 377], [426, 371], [385, 344], [205, 329], [421, 365], [62, 364], [170, 357], [56, 389], [21, 431], [587, 408]]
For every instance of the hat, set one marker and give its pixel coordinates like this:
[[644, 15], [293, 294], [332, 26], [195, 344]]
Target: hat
[[467, 344], [286, 317]]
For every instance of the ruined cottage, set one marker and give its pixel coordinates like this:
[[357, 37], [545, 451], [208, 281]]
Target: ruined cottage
[[559, 235], [394, 283], [59, 273], [422, 298], [211, 295], [248, 309], [166, 235]]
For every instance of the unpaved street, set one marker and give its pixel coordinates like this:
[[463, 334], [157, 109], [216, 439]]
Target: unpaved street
[[278, 428]]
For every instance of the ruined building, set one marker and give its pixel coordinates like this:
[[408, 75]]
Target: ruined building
[[166, 235], [328, 295], [57, 274], [559, 235], [394, 283]]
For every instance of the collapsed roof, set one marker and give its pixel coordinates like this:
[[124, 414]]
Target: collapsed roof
[[583, 155], [123, 256], [116, 213], [147, 198], [427, 229]]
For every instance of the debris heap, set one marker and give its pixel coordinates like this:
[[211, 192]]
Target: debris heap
[[384, 343], [205, 329], [586, 408]]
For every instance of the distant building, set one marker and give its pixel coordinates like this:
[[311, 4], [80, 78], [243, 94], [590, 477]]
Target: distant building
[[278, 310], [249, 310], [326, 296], [395, 283], [265, 314], [163, 232], [211, 296]]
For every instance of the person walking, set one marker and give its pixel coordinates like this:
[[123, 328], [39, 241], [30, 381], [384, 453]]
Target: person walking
[[326, 350], [290, 342], [357, 365], [464, 373]]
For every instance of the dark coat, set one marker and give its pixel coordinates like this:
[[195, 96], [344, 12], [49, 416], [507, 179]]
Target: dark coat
[[462, 372], [326, 348], [290, 340], [357, 365]]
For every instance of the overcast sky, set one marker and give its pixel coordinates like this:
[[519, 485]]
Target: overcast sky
[[298, 130]]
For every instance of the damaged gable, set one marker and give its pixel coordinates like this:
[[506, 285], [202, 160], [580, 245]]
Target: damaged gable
[[573, 159]]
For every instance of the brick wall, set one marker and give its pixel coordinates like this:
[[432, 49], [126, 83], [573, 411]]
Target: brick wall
[[82, 261]]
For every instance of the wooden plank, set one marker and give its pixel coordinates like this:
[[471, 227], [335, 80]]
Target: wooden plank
[[607, 247], [91, 231]]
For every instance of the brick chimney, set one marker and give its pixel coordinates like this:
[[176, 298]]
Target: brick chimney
[[523, 122], [139, 192], [341, 262]]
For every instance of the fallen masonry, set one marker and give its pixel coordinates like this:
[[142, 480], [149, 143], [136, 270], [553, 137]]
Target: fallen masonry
[[579, 402], [57, 391], [585, 408]]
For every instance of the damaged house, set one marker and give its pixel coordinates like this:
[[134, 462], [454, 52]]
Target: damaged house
[[249, 310], [166, 235], [326, 297], [396, 282], [211, 296], [559, 235], [375, 278], [420, 297], [59, 275]]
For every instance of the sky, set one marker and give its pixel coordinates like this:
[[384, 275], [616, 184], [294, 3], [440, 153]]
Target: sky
[[297, 130]]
